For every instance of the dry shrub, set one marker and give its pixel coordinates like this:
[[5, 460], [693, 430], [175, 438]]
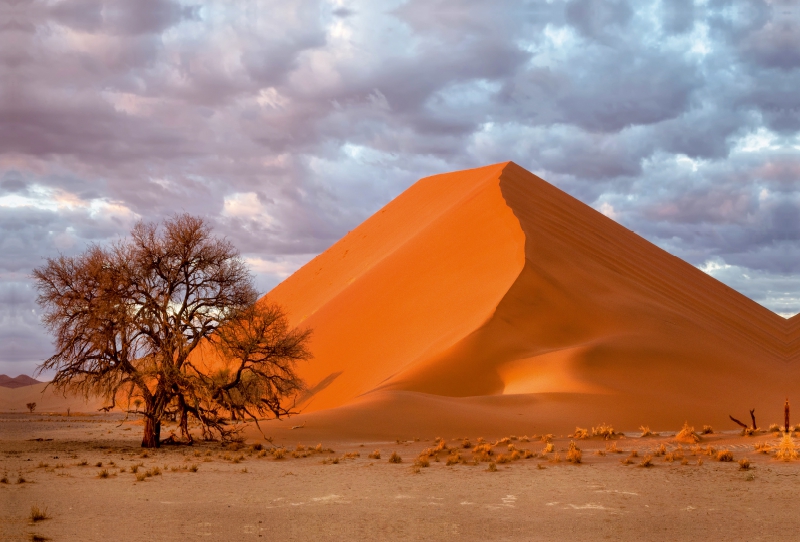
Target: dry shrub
[[687, 434], [547, 438], [524, 439], [540, 466], [580, 433], [699, 461], [634, 453], [724, 456], [556, 458], [647, 461], [662, 450], [395, 458], [749, 432], [774, 428], [103, 474], [38, 514], [627, 461], [422, 462], [466, 444], [744, 464], [376, 454], [511, 447], [262, 453], [707, 430], [4, 480], [481, 440], [42, 465], [351, 455], [684, 461], [527, 454], [763, 447], [603, 430], [710, 451], [21, 480], [612, 448], [503, 459], [492, 467], [646, 431], [669, 458], [134, 469], [141, 477], [600, 452], [548, 448], [441, 445], [574, 453], [453, 459], [515, 455], [193, 468], [98, 464], [279, 453]]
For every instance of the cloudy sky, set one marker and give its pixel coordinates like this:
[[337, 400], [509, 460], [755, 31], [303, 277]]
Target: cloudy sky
[[289, 123]]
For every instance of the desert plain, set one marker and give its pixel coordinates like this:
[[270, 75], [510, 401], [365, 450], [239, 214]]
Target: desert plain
[[80, 469]]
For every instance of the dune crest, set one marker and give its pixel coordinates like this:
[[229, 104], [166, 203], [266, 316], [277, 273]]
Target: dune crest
[[493, 283]]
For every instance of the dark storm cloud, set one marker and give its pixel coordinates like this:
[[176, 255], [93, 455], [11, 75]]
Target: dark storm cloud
[[288, 123]]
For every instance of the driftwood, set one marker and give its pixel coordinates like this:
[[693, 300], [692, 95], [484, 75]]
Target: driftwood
[[753, 417], [737, 421]]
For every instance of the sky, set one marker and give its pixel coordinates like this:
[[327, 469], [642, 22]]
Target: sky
[[287, 124]]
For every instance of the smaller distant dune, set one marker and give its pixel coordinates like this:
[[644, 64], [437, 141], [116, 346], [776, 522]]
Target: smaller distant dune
[[15, 399], [19, 382]]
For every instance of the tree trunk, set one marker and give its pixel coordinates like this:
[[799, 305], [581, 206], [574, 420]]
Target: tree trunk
[[152, 433]]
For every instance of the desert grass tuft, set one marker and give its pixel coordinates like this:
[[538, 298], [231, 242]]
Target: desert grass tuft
[[707, 430], [774, 428], [547, 438], [600, 452], [422, 462], [647, 461], [724, 456], [103, 474], [603, 430], [684, 461], [548, 448], [38, 514], [763, 447], [687, 434], [612, 448], [395, 458], [83, 463], [744, 464], [279, 453], [540, 466], [492, 467], [503, 459], [580, 433], [574, 453], [376, 454], [141, 477], [4, 480], [21, 480], [646, 431]]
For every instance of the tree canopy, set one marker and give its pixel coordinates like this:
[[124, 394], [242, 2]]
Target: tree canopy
[[169, 316]]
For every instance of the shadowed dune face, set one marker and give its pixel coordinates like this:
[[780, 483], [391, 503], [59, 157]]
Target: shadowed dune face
[[491, 282]]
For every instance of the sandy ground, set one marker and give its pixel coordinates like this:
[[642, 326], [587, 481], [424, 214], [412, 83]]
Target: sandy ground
[[236, 495]]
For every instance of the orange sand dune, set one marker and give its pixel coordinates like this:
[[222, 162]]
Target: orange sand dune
[[46, 399], [489, 291]]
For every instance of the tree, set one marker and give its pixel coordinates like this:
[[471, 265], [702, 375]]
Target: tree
[[31, 407], [169, 317]]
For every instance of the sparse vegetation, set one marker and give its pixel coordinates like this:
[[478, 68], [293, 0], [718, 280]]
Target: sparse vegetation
[[724, 456], [574, 453], [31, 407], [38, 514], [548, 448], [774, 428], [687, 434], [580, 433], [647, 461], [646, 431], [492, 467], [103, 474], [707, 430], [603, 430], [744, 464], [395, 458], [376, 454]]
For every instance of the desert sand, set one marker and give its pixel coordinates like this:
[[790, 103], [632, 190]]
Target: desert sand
[[214, 492]]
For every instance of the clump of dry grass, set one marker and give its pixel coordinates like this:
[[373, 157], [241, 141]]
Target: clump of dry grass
[[556, 458], [524, 439], [646, 431], [395, 458], [141, 477], [547, 438], [492, 467], [707, 430], [684, 461], [103, 474], [503, 459], [724, 456], [744, 464], [647, 461], [527, 454], [21, 480], [376, 454], [603, 430], [699, 461], [98, 464], [580, 433], [600, 452], [38, 514], [774, 428], [42, 465], [466, 444], [83, 463], [763, 447], [422, 462], [634, 453], [454, 458], [612, 448], [687, 434], [548, 448], [662, 450], [279, 453], [4, 479], [574, 453]]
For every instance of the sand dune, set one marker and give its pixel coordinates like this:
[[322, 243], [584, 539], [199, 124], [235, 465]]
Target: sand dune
[[46, 399], [491, 283]]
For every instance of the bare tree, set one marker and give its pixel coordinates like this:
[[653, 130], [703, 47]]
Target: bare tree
[[31, 407], [169, 317]]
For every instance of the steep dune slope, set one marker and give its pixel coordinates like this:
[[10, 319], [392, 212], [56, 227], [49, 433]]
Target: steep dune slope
[[493, 283]]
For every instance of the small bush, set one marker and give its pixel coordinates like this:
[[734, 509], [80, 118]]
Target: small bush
[[103, 474], [647, 461], [524, 439], [763, 447], [699, 461], [83, 463], [492, 467], [744, 464], [42, 465], [774, 428], [724, 456], [601, 453], [603, 430], [257, 447], [423, 462], [141, 477], [574, 453], [547, 438], [540, 466], [193, 468], [646, 431], [466, 444], [707, 430], [612, 448], [580, 433], [38, 514], [395, 458], [376, 454], [662, 450], [279, 453], [684, 461], [453, 459], [21, 480], [4, 480], [634, 453], [687, 434], [548, 448]]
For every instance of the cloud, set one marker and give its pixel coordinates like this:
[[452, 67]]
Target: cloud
[[288, 123]]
